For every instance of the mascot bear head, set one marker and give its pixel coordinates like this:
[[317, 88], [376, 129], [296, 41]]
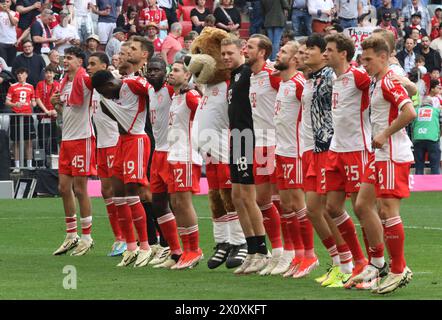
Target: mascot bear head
[[205, 62]]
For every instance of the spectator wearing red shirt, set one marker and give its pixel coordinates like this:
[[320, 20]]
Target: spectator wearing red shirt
[[153, 13], [21, 99], [152, 35], [386, 24], [433, 74], [172, 43], [435, 23], [47, 128]]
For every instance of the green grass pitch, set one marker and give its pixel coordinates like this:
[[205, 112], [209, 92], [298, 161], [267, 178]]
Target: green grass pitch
[[30, 230]]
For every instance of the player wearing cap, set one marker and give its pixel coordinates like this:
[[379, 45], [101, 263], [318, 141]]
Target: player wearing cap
[[386, 178], [77, 150]]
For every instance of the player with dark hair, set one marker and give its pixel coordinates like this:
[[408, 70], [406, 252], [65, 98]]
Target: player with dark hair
[[160, 99], [125, 102], [107, 139], [242, 144], [316, 134], [77, 151], [350, 146]]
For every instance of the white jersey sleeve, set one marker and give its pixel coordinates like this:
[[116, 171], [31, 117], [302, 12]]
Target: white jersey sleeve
[[263, 90], [181, 115], [288, 116], [77, 122], [159, 107], [387, 100], [107, 129], [130, 108], [351, 122]]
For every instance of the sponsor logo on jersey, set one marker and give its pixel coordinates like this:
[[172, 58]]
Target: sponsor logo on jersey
[[134, 176], [181, 185]]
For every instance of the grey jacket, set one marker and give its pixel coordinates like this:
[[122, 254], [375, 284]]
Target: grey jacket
[[274, 12]]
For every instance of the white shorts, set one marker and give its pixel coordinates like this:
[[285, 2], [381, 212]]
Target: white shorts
[[105, 30]]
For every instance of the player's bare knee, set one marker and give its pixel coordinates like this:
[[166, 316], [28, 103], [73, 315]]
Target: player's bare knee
[[226, 196]]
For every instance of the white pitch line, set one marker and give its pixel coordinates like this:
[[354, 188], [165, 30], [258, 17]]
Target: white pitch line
[[202, 218]]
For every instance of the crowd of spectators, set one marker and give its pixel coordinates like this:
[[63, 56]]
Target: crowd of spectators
[[35, 33]]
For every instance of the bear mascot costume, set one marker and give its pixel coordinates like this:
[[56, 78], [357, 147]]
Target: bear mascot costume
[[211, 136]]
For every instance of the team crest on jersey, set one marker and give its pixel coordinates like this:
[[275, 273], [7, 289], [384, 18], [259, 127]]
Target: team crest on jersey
[[215, 91], [345, 81], [160, 98], [261, 82], [180, 99], [237, 76], [286, 92]]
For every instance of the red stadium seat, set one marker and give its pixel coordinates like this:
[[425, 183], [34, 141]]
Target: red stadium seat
[[186, 12], [189, 3], [187, 27]]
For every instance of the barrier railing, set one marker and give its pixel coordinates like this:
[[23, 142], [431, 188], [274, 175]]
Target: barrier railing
[[33, 139]]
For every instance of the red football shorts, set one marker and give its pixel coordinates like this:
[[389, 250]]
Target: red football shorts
[[288, 173], [159, 172], [184, 177], [391, 179], [105, 161], [77, 158], [316, 171], [218, 176], [131, 157], [264, 165], [309, 182], [345, 170]]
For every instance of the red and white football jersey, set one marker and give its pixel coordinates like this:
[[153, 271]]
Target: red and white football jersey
[[182, 112], [159, 105], [307, 142], [77, 122], [147, 15], [350, 112], [107, 129], [288, 116], [23, 93], [8, 33], [130, 108], [211, 123], [263, 90], [387, 99]]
